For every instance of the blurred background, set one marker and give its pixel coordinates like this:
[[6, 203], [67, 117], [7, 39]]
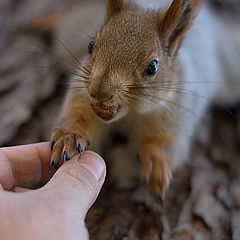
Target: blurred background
[[203, 201], [34, 37]]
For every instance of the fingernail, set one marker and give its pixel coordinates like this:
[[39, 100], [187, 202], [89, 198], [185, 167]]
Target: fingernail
[[94, 163]]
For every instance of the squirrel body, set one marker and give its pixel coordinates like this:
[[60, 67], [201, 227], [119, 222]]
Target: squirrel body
[[150, 74]]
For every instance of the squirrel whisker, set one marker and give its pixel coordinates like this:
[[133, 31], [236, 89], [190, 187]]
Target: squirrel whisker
[[75, 66], [176, 90], [78, 80], [146, 96], [71, 54], [127, 95], [80, 30], [71, 71], [171, 83], [122, 99], [149, 99], [80, 87], [194, 94]]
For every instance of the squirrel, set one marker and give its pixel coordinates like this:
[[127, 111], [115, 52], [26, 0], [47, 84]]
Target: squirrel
[[150, 73]]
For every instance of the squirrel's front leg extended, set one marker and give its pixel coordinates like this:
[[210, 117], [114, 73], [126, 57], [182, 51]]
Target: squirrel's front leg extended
[[155, 155], [73, 132]]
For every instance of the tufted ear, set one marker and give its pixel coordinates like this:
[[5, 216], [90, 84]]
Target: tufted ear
[[174, 24], [116, 6]]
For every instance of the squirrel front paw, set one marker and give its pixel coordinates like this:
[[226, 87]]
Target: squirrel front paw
[[63, 145], [154, 170]]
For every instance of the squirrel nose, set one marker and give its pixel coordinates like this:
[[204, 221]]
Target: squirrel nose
[[101, 96]]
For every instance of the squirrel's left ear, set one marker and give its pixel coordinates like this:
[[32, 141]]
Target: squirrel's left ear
[[116, 6], [176, 21]]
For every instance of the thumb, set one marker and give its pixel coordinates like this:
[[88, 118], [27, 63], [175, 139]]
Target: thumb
[[76, 184]]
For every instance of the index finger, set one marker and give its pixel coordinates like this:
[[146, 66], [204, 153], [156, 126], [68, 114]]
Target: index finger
[[24, 165]]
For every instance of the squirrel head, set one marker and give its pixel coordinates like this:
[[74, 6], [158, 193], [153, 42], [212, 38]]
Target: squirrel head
[[131, 60]]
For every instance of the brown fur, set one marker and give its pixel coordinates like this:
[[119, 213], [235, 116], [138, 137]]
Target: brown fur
[[155, 164], [116, 6], [131, 38]]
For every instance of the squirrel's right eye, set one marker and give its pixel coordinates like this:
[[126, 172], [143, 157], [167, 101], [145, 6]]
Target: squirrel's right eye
[[90, 46], [151, 69]]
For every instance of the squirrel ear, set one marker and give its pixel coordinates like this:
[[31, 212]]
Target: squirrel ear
[[116, 6], [176, 21]]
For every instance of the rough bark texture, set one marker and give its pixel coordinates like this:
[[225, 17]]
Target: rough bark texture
[[203, 201]]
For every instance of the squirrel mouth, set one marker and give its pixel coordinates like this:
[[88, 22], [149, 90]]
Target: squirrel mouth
[[103, 111]]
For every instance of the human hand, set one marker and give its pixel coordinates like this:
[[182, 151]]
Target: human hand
[[55, 211]]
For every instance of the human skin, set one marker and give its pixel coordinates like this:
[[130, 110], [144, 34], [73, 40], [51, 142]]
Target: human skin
[[58, 209]]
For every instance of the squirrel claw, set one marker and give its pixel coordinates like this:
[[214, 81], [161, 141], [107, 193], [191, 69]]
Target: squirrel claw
[[64, 143], [64, 156], [52, 164], [80, 149], [52, 144]]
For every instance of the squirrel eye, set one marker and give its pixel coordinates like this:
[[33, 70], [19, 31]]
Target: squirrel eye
[[152, 68], [90, 46]]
